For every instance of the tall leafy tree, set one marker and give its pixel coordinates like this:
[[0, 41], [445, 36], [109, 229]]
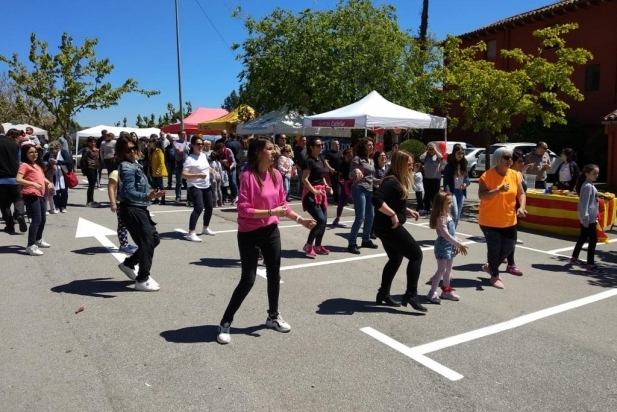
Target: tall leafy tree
[[319, 60], [231, 102], [15, 105], [70, 81], [423, 31], [171, 115]]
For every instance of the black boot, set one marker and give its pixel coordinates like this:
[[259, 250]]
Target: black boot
[[413, 301], [368, 244], [385, 299], [353, 249]]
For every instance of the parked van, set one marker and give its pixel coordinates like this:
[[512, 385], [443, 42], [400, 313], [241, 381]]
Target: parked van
[[523, 148]]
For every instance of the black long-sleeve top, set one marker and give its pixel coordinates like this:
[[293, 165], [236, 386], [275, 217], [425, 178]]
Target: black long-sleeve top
[[390, 191]]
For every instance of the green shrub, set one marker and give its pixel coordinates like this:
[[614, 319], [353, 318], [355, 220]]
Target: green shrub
[[414, 146]]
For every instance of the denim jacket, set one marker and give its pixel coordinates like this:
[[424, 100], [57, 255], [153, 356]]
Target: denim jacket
[[448, 179], [134, 189]]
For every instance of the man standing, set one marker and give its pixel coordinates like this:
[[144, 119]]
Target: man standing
[[236, 149], [432, 174], [65, 142], [281, 141], [163, 139], [170, 161], [224, 137], [10, 191], [99, 142], [180, 152], [300, 161], [333, 160], [32, 137], [539, 161], [108, 151]]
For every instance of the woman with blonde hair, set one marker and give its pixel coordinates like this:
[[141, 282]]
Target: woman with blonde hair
[[286, 167], [390, 200]]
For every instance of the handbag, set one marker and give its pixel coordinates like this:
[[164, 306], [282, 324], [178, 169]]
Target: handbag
[[70, 179]]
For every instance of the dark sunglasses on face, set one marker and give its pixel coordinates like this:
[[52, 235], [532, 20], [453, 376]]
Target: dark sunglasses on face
[[199, 144], [133, 149], [506, 157]]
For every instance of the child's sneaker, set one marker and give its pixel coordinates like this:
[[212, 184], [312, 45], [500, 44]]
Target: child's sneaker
[[433, 298], [320, 250], [309, 251], [448, 294], [513, 270], [275, 321], [576, 262], [595, 270]]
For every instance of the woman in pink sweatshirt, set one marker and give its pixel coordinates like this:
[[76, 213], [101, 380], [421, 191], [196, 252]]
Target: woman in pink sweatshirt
[[261, 202]]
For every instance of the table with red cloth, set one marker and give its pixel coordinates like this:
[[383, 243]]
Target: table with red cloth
[[556, 213]]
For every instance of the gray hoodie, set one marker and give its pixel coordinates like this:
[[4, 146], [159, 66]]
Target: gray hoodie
[[588, 204]]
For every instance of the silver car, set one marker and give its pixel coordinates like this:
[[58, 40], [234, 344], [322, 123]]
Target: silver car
[[523, 148], [471, 154]]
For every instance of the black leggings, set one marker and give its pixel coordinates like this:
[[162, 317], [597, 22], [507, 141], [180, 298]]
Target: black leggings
[[500, 242], [268, 240], [431, 188], [202, 202], [91, 175], [587, 233], [319, 213], [142, 229], [35, 205], [398, 243]]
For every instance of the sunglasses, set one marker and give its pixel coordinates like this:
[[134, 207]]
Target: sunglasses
[[506, 157], [132, 149], [198, 144]]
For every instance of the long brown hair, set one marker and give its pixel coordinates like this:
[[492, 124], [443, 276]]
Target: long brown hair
[[440, 208], [399, 169], [256, 146]]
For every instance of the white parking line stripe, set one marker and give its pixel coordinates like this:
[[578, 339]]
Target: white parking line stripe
[[418, 357], [511, 324], [563, 249]]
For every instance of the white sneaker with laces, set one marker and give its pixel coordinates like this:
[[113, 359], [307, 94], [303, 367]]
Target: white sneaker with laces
[[224, 336], [130, 273], [42, 244], [208, 232], [34, 251], [192, 237], [277, 323], [149, 285], [433, 298]]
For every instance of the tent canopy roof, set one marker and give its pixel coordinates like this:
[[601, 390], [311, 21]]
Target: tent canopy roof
[[375, 111], [283, 121], [201, 114], [22, 126], [226, 121]]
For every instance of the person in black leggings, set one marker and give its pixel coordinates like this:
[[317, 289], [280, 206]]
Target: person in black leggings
[[390, 200]]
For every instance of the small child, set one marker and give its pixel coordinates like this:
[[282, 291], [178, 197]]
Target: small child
[[225, 186], [215, 179], [112, 191], [50, 192], [417, 179], [446, 247], [588, 208]]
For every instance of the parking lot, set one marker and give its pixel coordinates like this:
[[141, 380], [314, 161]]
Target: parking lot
[[546, 342]]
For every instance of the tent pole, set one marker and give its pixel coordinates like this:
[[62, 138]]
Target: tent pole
[[365, 132], [179, 68]]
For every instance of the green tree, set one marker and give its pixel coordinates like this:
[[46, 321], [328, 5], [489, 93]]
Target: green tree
[[536, 88], [15, 105], [70, 81], [423, 31], [231, 102], [172, 115], [319, 60]]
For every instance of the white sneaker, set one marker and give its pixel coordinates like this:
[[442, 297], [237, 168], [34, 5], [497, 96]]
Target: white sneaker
[[433, 298], [130, 273], [34, 251], [149, 285], [208, 232], [42, 244], [192, 237], [54, 211], [277, 323], [47, 212], [62, 210], [224, 336]]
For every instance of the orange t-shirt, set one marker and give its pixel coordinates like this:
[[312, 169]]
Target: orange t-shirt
[[500, 210]]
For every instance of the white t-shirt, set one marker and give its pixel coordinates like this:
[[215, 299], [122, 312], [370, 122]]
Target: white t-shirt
[[194, 165], [564, 173], [417, 179]]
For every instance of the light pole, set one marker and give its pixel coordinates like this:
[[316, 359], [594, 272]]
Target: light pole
[[179, 67]]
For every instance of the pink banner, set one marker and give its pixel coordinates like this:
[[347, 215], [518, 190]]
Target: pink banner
[[333, 123]]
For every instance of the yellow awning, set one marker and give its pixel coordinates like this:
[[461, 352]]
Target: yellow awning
[[229, 121]]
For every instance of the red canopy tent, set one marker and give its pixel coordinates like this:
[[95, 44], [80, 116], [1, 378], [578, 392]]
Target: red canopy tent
[[201, 114]]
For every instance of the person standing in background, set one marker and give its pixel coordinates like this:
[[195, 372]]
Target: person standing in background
[[107, 151], [158, 171], [432, 174], [541, 161], [180, 154], [300, 161], [101, 164], [170, 161], [333, 160], [10, 190]]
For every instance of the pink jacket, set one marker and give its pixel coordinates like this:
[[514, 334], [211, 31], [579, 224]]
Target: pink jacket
[[252, 197]]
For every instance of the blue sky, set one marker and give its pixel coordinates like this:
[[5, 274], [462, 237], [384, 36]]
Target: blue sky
[[138, 36]]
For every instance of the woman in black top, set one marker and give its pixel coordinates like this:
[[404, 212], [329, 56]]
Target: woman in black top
[[390, 201], [315, 197]]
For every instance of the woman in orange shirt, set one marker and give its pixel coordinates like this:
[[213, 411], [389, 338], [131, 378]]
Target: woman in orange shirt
[[499, 188]]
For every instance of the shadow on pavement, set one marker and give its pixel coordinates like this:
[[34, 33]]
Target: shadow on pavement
[[342, 306], [98, 288], [458, 283], [173, 235], [218, 263], [206, 333], [90, 251], [605, 280], [13, 249]]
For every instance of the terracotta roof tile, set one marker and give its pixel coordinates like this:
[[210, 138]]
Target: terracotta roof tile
[[530, 16]]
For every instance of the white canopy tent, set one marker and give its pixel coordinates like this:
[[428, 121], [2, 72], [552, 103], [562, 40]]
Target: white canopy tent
[[96, 132], [22, 126], [283, 121], [375, 111]]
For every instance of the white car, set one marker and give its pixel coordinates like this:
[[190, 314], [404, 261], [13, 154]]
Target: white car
[[521, 147], [472, 155], [450, 145]]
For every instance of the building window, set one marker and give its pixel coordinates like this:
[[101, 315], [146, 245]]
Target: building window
[[592, 78], [491, 50]]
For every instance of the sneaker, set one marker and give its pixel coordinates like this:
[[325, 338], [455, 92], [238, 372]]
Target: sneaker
[[47, 212], [277, 323], [149, 285], [54, 211], [34, 251], [496, 282], [576, 262], [224, 336], [42, 244], [433, 298], [513, 270], [131, 273], [9, 230], [192, 237], [62, 210], [320, 250], [368, 244], [450, 295], [208, 232], [127, 249], [23, 228], [520, 242], [309, 251], [594, 269]]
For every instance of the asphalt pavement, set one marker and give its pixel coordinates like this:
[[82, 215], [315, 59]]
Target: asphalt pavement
[[547, 342]]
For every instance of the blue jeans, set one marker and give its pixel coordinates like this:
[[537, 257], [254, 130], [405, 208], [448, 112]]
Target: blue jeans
[[233, 185], [35, 205], [458, 197], [286, 185], [179, 166], [365, 212]]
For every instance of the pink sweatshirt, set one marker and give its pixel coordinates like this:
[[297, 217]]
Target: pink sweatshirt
[[252, 197]]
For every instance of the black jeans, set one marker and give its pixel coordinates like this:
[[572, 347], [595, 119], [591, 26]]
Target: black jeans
[[91, 176], [61, 198], [35, 205], [342, 200], [202, 202], [500, 242], [398, 243], [587, 233], [420, 203], [171, 169], [268, 240], [143, 231], [320, 214], [108, 165], [431, 188], [11, 195]]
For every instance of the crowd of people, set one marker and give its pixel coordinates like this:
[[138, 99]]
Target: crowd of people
[[254, 175]]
